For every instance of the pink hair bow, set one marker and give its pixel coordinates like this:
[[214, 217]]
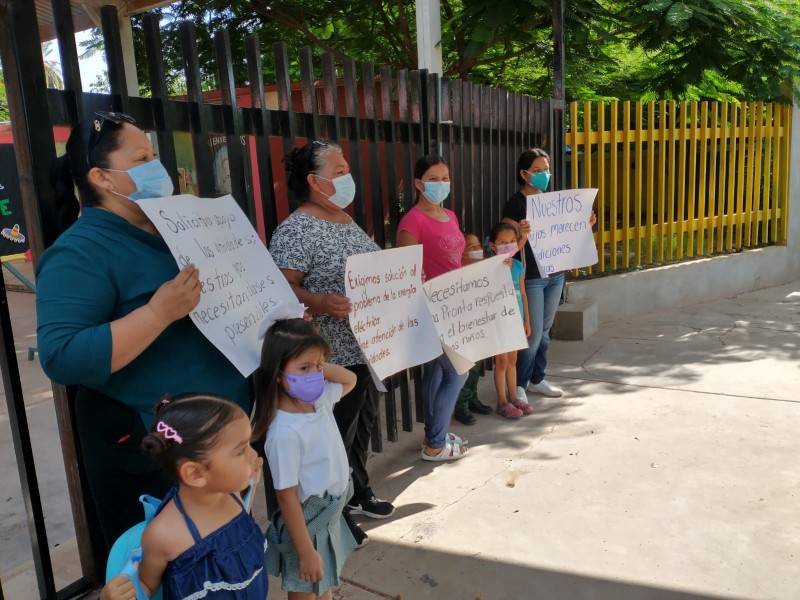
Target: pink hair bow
[[169, 432]]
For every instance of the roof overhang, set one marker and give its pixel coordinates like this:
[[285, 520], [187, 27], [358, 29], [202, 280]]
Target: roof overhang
[[85, 13]]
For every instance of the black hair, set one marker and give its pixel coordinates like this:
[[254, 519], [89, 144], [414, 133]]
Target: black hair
[[426, 162], [71, 170], [301, 161], [197, 419], [495, 231], [285, 340], [526, 160]]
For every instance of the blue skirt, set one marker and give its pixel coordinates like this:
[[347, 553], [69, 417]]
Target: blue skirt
[[329, 534]]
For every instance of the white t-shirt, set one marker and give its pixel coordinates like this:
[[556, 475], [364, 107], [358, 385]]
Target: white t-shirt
[[306, 450]]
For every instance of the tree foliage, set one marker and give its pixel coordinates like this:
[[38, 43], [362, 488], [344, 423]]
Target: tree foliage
[[4, 116], [625, 49], [615, 49]]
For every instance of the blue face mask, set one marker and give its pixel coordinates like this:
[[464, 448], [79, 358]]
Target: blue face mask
[[436, 191], [305, 387], [151, 180], [345, 190], [539, 180]]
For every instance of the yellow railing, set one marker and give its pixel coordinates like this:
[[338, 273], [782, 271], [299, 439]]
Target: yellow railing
[[681, 180]]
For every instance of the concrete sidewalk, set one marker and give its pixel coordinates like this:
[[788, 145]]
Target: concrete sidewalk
[[668, 470]]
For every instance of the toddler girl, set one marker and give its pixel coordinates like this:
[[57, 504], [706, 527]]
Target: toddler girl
[[503, 240], [295, 393], [202, 540]]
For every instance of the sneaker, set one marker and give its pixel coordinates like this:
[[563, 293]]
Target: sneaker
[[358, 533], [479, 407], [543, 388], [371, 507], [521, 397], [463, 416]]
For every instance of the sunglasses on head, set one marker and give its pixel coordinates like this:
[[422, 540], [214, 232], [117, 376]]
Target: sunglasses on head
[[101, 118]]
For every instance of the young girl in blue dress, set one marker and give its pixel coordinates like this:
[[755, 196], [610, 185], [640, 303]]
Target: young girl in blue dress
[[295, 393], [202, 543], [503, 241]]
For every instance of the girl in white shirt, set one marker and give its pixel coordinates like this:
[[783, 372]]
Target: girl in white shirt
[[295, 393]]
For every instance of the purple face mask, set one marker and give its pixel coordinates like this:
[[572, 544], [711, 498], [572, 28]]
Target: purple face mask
[[305, 387]]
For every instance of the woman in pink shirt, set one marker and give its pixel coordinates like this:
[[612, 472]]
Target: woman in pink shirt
[[436, 228]]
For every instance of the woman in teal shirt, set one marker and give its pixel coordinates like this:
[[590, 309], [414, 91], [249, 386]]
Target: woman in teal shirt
[[112, 311]]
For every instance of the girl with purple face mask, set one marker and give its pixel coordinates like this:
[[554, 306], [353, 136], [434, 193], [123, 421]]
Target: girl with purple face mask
[[503, 240], [295, 394]]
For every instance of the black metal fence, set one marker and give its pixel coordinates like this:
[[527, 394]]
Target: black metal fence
[[383, 119]]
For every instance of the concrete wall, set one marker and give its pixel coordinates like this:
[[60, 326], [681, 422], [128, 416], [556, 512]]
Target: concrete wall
[[640, 292]]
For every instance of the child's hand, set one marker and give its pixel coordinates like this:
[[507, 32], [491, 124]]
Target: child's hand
[[311, 566], [509, 262], [119, 588]]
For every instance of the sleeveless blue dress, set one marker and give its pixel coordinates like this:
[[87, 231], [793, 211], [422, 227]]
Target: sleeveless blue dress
[[228, 563]]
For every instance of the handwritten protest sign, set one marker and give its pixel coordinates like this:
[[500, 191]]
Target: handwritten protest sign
[[390, 317], [240, 282], [475, 311], [561, 237]]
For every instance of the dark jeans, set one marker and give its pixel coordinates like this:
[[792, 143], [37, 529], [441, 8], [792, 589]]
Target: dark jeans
[[110, 434], [469, 393], [355, 415]]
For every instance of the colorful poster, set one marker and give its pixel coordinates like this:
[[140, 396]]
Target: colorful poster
[[390, 317], [13, 232], [561, 237], [240, 282], [475, 312]]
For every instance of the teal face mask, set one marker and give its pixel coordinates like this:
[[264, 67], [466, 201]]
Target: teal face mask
[[539, 180]]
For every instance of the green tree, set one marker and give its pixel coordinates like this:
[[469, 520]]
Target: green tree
[[52, 67], [615, 49], [52, 74], [4, 116], [719, 46]]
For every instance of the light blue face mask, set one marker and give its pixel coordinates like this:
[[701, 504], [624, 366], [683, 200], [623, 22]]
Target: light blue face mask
[[345, 190], [151, 180], [436, 191]]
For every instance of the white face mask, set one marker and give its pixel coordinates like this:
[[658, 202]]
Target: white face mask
[[475, 254], [345, 190]]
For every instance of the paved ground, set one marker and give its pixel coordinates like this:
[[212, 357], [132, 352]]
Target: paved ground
[[668, 470]]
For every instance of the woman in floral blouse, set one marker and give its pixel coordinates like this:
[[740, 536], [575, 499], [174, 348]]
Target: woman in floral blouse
[[311, 248]]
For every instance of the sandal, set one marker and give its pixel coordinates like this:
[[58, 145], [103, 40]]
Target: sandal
[[449, 452], [451, 438], [509, 411], [522, 406]]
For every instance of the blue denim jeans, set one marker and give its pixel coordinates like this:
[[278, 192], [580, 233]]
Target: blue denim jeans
[[543, 298], [440, 387]]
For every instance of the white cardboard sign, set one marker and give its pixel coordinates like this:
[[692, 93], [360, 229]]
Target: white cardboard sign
[[561, 237], [240, 281], [475, 312], [390, 317]]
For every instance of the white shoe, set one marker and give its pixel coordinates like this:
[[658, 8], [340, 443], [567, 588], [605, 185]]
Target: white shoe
[[543, 388], [521, 394]]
